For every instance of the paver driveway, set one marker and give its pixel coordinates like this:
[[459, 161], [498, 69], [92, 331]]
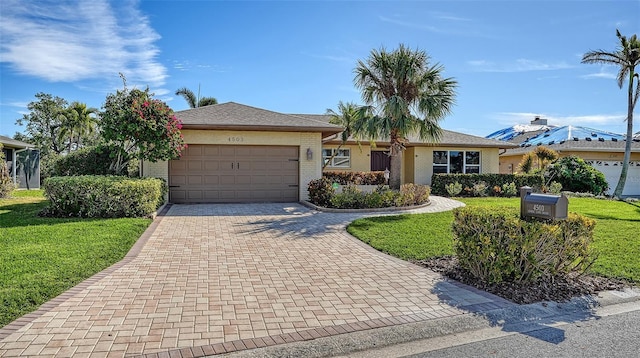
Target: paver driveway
[[219, 278]]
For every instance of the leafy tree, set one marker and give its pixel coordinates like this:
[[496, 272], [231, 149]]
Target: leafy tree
[[44, 123], [78, 123], [407, 95], [626, 57], [576, 175], [194, 101], [349, 117], [141, 127]]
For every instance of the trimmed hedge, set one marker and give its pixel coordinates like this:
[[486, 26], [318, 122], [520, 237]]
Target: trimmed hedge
[[357, 178], [89, 161], [103, 196], [494, 245], [494, 183], [321, 193]]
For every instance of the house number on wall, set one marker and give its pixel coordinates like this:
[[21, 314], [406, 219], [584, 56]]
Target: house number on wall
[[236, 139]]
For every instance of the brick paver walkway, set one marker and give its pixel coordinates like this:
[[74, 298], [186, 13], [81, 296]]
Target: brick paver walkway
[[210, 278]]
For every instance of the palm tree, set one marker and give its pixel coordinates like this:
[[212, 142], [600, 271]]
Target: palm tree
[[408, 95], [349, 117], [77, 120], [193, 101], [626, 56]]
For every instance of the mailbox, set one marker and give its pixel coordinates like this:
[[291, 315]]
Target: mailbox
[[542, 206]]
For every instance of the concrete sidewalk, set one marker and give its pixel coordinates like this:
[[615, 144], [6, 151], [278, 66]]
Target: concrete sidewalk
[[214, 279]]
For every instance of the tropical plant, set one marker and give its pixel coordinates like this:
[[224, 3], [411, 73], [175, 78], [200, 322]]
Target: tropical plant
[[349, 117], [406, 95], [78, 121], [626, 57], [526, 164], [140, 127], [193, 100], [574, 174]]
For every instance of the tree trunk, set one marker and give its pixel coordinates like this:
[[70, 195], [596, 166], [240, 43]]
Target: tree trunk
[[627, 146], [395, 172]]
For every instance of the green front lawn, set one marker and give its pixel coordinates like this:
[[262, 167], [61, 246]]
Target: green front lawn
[[421, 236], [42, 257]]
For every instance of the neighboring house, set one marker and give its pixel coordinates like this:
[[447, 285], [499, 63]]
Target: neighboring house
[[23, 162], [603, 150], [238, 153]]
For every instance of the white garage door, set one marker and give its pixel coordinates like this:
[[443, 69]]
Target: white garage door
[[611, 170], [234, 174]]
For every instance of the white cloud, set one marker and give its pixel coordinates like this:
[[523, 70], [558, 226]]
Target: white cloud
[[603, 73], [69, 41], [519, 65], [409, 24]]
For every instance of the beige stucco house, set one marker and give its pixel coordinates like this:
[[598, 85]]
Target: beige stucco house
[[239, 153]]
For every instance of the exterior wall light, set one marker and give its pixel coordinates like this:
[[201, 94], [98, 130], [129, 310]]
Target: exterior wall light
[[309, 154]]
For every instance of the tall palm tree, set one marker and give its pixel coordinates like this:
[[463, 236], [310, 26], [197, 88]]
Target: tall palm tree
[[626, 57], [194, 101], [408, 96], [349, 117], [78, 121]]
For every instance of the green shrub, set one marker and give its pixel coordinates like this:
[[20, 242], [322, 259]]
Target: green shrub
[[6, 182], [350, 198], [320, 191], [453, 189], [357, 178], [574, 174], [495, 245], [479, 189], [413, 194], [90, 161], [509, 190], [103, 196], [467, 181], [555, 188]]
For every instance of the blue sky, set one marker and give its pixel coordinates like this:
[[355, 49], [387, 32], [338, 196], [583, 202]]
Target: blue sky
[[513, 60]]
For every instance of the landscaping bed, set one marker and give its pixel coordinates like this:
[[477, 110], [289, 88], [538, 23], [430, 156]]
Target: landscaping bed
[[559, 289], [427, 240]]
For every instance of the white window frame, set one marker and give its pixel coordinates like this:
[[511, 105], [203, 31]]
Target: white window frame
[[339, 161]]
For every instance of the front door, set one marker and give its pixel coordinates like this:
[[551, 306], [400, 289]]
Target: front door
[[380, 161]]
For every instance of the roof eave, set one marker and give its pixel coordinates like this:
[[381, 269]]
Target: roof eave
[[326, 131]]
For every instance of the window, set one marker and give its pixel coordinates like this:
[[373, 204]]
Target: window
[[456, 161], [337, 158]]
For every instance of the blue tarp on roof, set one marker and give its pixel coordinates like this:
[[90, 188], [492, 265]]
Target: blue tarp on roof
[[570, 133], [519, 129]]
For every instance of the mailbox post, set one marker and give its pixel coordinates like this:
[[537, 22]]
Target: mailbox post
[[543, 206]]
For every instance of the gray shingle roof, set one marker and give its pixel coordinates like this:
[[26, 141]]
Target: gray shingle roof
[[12, 143], [449, 138], [237, 116]]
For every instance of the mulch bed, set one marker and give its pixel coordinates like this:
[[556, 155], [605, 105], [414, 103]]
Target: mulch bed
[[558, 289]]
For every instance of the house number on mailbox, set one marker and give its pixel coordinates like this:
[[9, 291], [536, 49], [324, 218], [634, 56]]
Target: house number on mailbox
[[538, 208], [236, 139]]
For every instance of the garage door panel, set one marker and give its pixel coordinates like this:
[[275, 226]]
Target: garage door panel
[[210, 165], [211, 151], [217, 173]]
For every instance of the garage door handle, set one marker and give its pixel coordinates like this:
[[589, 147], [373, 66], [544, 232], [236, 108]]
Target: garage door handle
[[231, 165], [174, 186]]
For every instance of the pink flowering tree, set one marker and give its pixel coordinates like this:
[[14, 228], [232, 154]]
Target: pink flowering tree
[[137, 126]]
